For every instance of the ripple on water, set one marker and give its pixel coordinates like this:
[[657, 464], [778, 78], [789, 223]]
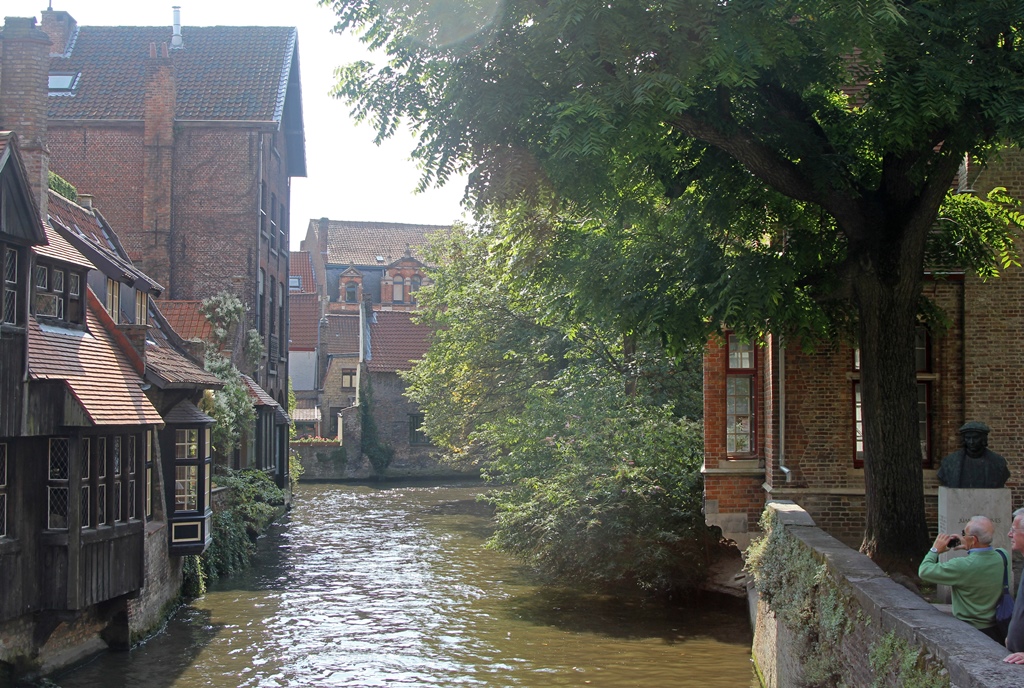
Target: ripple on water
[[390, 586]]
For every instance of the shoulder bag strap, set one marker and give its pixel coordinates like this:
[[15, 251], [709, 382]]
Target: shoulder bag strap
[[1006, 575]]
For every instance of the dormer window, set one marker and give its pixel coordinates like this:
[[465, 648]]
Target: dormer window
[[294, 283], [56, 294], [399, 291]]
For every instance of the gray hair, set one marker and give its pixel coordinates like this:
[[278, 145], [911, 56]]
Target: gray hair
[[982, 528]]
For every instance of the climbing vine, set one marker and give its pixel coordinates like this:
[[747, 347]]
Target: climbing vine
[[63, 187], [223, 312], [804, 597], [377, 452], [254, 503]]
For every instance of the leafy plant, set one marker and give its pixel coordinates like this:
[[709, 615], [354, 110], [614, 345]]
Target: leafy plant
[[63, 187], [253, 504], [231, 407]]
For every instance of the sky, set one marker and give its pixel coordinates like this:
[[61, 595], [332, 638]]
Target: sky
[[348, 177]]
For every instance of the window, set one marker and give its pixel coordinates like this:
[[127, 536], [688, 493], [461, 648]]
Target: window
[[925, 378], [186, 477], [263, 207], [118, 504], [348, 378], [141, 307], [59, 460], [399, 291], [149, 473], [49, 292], [281, 322], [262, 301], [414, 286], [273, 222], [74, 297], [86, 492], [62, 82], [100, 460], [351, 292], [130, 478], [739, 414], [294, 283], [272, 309], [11, 286], [114, 299], [3, 490], [282, 228], [416, 434]]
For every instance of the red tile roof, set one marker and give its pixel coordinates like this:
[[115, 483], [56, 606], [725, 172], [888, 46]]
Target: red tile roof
[[342, 336], [301, 265], [257, 393], [396, 341], [221, 73], [96, 372], [360, 243], [303, 321], [187, 319]]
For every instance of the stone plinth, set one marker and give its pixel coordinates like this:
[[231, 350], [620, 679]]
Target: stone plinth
[[958, 505]]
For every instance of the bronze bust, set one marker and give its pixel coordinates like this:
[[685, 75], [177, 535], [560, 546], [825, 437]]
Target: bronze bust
[[974, 466]]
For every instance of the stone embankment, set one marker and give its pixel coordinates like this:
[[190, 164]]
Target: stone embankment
[[827, 615]]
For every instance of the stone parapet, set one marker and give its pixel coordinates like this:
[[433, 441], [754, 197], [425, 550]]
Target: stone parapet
[[853, 622]]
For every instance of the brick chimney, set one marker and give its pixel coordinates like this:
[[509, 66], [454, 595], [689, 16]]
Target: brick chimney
[[24, 83], [61, 28], [158, 152]]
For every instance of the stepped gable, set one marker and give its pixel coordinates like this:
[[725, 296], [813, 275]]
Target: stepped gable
[[396, 341], [97, 373], [222, 72]]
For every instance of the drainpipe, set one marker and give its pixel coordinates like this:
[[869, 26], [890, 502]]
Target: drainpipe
[[782, 415]]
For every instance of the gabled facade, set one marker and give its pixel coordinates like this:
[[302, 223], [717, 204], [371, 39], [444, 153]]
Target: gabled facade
[[188, 136], [783, 424]]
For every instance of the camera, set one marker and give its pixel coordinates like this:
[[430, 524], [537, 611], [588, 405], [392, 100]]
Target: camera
[[953, 542]]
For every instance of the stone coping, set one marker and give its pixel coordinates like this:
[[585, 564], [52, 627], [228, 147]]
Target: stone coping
[[972, 659]]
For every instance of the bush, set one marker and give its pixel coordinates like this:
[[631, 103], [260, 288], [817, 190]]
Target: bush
[[254, 503]]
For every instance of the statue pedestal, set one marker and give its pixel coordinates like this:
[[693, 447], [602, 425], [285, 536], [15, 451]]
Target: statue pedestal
[[958, 505]]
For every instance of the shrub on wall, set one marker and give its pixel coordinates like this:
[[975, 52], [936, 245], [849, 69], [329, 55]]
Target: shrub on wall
[[804, 598], [254, 503]]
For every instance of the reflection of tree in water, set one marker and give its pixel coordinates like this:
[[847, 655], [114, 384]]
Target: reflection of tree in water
[[167, 656], [708, 615]]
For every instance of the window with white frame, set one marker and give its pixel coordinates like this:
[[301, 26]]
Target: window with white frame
[[149, 473], [118, 467], [141, 307], [398, 291], [348, 378], [114, 299], [59, 463], [186, 475], [740, 420], [100, 461]]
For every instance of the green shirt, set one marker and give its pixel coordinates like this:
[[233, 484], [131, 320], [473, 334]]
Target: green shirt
[[976, 582]]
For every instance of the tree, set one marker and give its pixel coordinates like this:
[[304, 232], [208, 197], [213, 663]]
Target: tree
[[594, 486], [811, 140]]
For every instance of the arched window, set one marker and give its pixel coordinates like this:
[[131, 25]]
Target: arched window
[[414, 286], [399, 291], [351, 292]]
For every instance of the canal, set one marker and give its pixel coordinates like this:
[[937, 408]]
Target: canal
[[390, 586]]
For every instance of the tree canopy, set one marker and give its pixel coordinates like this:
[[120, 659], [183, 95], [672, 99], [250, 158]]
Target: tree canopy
[[781, 164]]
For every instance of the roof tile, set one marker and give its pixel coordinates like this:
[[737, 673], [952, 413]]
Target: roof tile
[[396, 341], [361, 243], [303, 321], [187, 319]]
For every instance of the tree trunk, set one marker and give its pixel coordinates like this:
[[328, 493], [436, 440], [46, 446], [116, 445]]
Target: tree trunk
[[896, 533]]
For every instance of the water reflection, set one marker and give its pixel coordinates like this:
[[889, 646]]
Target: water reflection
[[389, 586]]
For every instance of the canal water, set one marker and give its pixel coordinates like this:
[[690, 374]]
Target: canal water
[[390, 586]]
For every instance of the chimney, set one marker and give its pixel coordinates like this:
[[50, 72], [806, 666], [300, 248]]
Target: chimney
[[61, 27], [157, 152], [25, 66], [176, 40], [85, 200]]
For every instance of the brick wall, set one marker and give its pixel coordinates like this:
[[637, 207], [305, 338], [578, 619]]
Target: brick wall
[[24, 69]]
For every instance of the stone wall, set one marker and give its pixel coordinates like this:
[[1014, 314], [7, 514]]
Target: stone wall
[[332, 461], [827, 615]]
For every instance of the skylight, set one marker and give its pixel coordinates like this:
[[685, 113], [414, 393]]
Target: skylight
[[63, 82]]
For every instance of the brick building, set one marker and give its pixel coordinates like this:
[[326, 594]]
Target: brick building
[[188, 137], [367, 275], [783, 424]]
